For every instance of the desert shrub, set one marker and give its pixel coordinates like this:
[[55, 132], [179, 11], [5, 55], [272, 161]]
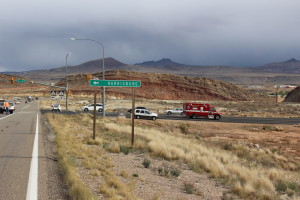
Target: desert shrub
[[273, 150], [184, 128], [292, 186], [113, 147], [163, 171], [124, 174], [105, 146], [189, 188], [271, 128], [135, 175], [175, 172], [146, 163], [228, 147], [92, 142], [124, 149], [281, 187], [160, 170]]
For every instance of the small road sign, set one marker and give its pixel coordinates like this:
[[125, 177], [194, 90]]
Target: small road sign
[[61, 93], [53, 93], [115, 83]]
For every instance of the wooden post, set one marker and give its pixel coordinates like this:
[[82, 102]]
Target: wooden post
[[132, 116]]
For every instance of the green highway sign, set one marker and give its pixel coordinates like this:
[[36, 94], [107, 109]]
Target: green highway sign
[[20, 81], [115, 83]]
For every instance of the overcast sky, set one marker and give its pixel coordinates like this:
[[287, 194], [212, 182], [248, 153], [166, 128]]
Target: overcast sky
[[34, 34]]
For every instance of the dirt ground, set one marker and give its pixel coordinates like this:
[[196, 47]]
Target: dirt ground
[[149, 184], [285, 139]]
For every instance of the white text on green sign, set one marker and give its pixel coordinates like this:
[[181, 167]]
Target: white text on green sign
[[20, 81], [115, 83]]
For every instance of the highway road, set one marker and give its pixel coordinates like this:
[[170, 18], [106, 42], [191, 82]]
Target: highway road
[[245, 120], [225, 119], [24, 156]]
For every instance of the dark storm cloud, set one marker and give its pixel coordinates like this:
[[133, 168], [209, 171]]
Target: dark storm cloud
[[35, 34]]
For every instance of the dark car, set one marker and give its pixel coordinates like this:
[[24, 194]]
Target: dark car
[[130, 110]]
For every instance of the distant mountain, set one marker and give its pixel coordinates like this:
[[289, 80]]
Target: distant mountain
[[56, 74], [162, 62], [289, 66], [274, 73]]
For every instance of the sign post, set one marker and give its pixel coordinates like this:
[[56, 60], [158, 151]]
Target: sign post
[[117, 83], [132, 116]]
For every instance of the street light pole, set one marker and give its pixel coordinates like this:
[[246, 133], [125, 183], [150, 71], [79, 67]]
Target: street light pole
[[67, 87], [103, 71]]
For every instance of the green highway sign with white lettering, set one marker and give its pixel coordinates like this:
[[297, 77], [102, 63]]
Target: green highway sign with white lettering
[[115, 83], [20, 81]]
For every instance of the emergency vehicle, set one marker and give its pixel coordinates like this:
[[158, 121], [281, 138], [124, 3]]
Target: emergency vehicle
[[201, 110]]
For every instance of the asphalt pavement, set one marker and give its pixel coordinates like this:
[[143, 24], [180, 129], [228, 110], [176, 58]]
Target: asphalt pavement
[[25, 160], [224, 119]]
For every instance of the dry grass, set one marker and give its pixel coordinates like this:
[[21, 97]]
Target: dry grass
[[247, 180], [68, 155], [251, 173], [76, 151]]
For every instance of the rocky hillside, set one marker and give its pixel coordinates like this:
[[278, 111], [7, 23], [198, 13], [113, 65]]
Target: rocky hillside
[[163, 86], [293, 96], [289, 66]]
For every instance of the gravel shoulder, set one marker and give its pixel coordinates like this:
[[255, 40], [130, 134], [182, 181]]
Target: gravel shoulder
[[51, 181]]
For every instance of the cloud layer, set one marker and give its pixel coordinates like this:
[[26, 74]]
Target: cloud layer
[[35, 34]]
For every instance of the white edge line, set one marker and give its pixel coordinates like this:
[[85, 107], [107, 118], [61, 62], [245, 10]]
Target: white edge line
[[5, 117], [32, 188]]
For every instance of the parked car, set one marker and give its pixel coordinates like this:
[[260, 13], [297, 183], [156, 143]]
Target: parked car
[[55, 107], [130, 110], [89, 107], [174, 111], [145, 114]]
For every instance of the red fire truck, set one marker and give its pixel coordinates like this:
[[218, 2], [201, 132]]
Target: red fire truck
[[195, 110]]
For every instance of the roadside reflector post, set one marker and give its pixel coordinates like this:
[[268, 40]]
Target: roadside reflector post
[[132, 116], [94, 118], [276, 95]]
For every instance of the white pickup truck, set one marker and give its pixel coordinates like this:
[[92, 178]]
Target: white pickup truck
[[11, 107]]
